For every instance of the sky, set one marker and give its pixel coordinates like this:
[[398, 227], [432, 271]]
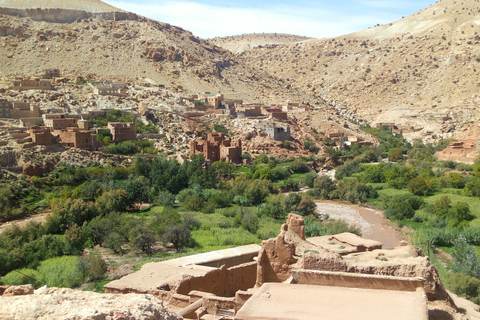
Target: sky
[[317, 19]]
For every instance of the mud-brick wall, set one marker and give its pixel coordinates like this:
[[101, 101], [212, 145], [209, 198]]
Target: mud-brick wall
[[223, 281]]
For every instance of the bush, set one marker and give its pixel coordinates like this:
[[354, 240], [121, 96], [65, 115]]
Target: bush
[[92, 267], [299, 166], [472, 234], [310, 178], [164, 199], [466, 258], [178, 235], [23, 276], [463, 285], [250, 222], [61, 272], [420, 186], [315, 227], [324, 186], [280, 173], [436, 236]]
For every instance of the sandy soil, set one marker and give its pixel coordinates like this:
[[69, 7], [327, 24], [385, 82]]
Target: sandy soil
[[41, 217], [372, 222]]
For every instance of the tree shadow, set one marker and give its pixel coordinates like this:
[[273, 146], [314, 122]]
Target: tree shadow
[[439, 315]]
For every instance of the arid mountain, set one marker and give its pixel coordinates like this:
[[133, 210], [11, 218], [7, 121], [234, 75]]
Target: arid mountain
[[93, 6], [419, 72], [95, 41], [242, 43]]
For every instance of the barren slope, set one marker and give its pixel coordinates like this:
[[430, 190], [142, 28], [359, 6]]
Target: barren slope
[[242, 43], [93, 6], [129, 50], [421, 71]]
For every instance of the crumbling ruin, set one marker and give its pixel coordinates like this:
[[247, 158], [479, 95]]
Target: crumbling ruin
[[217, 147], [290, 277]]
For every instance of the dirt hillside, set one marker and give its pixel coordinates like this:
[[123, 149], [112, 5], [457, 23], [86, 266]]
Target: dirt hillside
[[242, 43], [420, 72], [85, 5]]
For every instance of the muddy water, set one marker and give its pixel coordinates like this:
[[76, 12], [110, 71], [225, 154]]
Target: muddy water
[[372, 222]]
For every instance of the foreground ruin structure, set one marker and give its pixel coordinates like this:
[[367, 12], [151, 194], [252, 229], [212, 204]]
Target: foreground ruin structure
[[289, 277]]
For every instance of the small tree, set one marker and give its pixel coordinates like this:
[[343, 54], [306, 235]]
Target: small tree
[[178, 235]]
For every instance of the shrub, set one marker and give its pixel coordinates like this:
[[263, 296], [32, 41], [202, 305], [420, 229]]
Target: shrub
[[142, 238], [165, 199], [437, 236], [299, 166], [23, 276], [420, 186], [92, 267], [324, 186], [250, 222], [472, 234], [178, 235], [61, 272], [463, 285], [466, 258], [310, 178], [280, 173]]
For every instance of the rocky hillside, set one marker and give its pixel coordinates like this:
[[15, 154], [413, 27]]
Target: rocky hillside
[[104, 44], [242, 43], [419, 72]]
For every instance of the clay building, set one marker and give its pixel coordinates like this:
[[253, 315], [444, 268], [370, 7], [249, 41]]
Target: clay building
[[122, 131], [217, 147], [23, 109], [93, 114], [279, 133], [273, 112], [214, 100], [249, 110], [30, 122], [41, 135], [59, 121], [5, 107], [109, 88], [51, 73], [34, 84], [76, 138]]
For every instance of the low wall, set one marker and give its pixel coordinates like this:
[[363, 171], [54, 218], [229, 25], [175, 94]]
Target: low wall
[[223, 281], [356, 280]]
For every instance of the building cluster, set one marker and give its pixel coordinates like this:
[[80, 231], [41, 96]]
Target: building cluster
[[219, 105], [69, 130], [217, 147]]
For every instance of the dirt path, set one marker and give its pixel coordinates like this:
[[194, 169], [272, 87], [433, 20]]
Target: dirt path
[[41, 217], [372, 222]]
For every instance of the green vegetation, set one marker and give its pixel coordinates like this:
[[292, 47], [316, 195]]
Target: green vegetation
[[193, 209], [197, 208]]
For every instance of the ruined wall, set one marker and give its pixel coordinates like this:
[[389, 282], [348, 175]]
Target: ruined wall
[[355, 280], [416, 267], [223, 281]]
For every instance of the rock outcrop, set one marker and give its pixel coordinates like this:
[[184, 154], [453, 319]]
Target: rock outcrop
[[60, 303]]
